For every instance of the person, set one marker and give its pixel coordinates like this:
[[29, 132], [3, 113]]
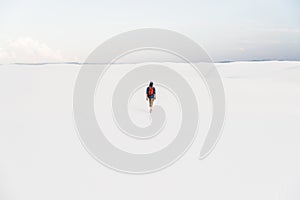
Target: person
[[150, 95]]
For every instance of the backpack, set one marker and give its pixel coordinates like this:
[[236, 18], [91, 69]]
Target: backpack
[[150, 91]]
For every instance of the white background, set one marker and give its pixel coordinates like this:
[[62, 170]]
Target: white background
[[41, 156]]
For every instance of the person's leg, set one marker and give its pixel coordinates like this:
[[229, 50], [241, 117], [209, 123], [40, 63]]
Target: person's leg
[[151, 104]]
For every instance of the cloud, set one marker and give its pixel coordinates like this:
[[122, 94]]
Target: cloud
[[28, 50]]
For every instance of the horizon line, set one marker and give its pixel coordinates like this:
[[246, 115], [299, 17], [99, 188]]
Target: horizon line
[[81, 63]]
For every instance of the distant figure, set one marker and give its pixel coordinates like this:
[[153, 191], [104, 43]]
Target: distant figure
[[150, 95]]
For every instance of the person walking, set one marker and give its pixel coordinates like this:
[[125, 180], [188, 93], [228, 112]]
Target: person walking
[[150, 95]]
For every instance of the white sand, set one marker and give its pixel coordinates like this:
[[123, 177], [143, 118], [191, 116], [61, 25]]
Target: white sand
[[41, 156]]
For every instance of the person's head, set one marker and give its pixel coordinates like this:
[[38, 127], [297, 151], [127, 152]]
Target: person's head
[[151, 84]]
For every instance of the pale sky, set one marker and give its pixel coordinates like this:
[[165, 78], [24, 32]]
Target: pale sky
[[53, 30]]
